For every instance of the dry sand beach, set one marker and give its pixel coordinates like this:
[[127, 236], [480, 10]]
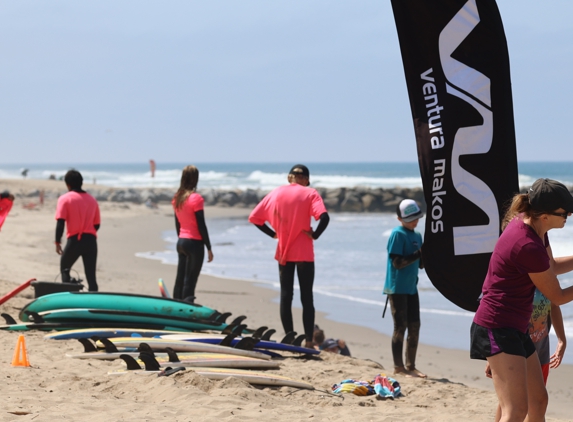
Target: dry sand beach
[[59, 388]]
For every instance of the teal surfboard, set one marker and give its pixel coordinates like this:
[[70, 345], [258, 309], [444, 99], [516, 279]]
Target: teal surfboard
[[118, 301], [79, 315]]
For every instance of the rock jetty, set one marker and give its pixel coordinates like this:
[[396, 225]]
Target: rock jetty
[[359, 199]]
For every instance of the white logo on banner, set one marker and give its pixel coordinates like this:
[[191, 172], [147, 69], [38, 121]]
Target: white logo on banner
[[474, 88]]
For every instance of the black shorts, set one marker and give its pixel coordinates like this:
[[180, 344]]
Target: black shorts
[[486, 342]]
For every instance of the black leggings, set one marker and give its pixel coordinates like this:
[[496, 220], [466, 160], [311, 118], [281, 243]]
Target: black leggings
[[305, 272], [191, 254], [86, 247], [406, 315]]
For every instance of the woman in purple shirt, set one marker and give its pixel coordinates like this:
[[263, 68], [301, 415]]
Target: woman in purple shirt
[[521, 261]]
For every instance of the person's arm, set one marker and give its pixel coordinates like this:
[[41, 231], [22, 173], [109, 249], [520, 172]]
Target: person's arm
[[557, 321], [266, 230], [549, 285], [324, 219], [547, 282], [96, 227], [60, 225], [399, 261], [200, 217], [177, 225], [563, 264]]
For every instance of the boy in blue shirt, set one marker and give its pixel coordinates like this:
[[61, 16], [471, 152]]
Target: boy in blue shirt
[[404, 260]]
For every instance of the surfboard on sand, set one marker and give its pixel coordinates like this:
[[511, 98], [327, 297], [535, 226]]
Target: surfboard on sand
[[187, 359], [185, 346], [121, 302], [217, 338], [109, 332], [128, 317], [252, 377]]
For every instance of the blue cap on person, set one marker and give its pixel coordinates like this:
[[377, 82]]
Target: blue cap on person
[[408, 210], [549, 195]]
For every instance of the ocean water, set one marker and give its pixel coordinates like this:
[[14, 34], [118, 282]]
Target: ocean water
[[350, 270], [264, 176], [350, 255]]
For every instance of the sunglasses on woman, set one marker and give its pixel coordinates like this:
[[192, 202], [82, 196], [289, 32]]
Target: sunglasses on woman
[[560, 214]]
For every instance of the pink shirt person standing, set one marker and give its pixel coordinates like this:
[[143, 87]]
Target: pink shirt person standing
[[79, 211], [193, 237], [288, 209]]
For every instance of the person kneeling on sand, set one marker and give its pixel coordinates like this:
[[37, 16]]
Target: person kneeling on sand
[[329, 344]]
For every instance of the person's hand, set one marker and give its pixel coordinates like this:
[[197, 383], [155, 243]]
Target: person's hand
[[59, 248], [557, 357], [487, 370], [209, 256], [11, 197], [309, 233]]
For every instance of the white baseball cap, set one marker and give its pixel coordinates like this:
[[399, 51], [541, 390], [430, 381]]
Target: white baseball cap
[[408, 210]]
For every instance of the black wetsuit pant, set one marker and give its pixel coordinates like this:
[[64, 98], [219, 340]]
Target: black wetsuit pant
[[86, 247], [406, 315], [305, 273], [191, 254]]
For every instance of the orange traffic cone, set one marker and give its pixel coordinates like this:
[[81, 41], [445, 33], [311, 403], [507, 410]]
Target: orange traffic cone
[[20, 353]]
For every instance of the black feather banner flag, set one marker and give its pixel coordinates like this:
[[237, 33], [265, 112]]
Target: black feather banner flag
[[457, 72]]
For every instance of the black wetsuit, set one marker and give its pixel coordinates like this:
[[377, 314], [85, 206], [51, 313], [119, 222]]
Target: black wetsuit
[[191, 255], [305, 273]]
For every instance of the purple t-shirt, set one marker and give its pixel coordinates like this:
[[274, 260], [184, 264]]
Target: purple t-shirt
[[507, 300]]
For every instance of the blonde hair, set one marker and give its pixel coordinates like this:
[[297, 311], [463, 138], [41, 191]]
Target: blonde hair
[[188, 185], [520, 205]]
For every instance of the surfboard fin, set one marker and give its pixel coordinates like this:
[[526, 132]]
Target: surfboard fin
[[170, 371], [108, 345], [238, 330], [267, 335], [238, 320], [298, 341], [173, 357], [289, 338], [247, 343], [222, 317], [259, 332], [9, 320], [228, 340], [89, 347], [150, 362], [130, 362]]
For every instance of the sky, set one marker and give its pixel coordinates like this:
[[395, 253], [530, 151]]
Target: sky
[[246, 81]]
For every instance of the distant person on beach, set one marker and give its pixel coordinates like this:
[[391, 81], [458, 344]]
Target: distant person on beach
[[522, 260], [329, 344], [6, 202], [288, 209], [79, 212], [401, 286], [544, 315], [192, 233]]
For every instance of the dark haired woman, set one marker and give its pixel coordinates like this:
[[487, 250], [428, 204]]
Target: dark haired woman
[[192, 233], [521, 261]]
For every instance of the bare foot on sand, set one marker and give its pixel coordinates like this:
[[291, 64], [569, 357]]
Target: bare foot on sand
[[415, 373], [401, 371]]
